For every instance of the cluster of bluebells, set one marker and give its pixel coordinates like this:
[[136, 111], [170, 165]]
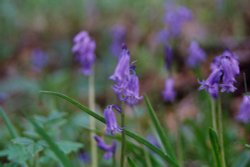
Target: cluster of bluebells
[[39, 59], [84, 51], [118, 34], [222, 78], [126, 82], [108, 149], [244, 113], [168, 93], [196, 55]]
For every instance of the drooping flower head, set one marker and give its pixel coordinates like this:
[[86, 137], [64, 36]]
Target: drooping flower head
[[84, 51], [110, 119], [168, 57], [244, 113], [108, 149], [175, 18], [126, 83], [169, 92], [224, 70], [196, 55], [39, 59], [118, 34]]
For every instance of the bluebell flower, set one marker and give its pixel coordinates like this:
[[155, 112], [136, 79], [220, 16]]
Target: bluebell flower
[[118, 34], [224, 70], [169, 92], [126, 83], [108, 149], [168, 57], [84, 51], [39, 59], [244, 113], [110, 119], [196, 55], [175, 18]]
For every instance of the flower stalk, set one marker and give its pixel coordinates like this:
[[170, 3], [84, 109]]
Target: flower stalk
[[123, 149], [94, 156]]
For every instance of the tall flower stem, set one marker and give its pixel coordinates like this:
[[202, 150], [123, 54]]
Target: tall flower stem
[[214, 118], [123, 137], [220, 132], [94, 156]]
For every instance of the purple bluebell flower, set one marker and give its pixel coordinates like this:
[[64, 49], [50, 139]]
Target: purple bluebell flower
[[84, 51], [126, 83], [244, 113], [110, 118], [224, 69], [132, 96], [118, 34], [108, 149], [122, 70], [169, 92], [168, 57], [39, 59], [162, 37], [196, 55], [175, 18], [3, 97]]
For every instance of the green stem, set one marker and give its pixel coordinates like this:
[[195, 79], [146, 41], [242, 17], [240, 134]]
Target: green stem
[[113, 161], [220, 133], [214, 119], [94, 156], [178, 140], [9, 125], [123, 138]]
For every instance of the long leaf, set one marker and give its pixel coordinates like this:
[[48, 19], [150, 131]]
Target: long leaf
[[131, 162], [57, 151], [130, 134], [163, 137], [215, 145], [9, 125]]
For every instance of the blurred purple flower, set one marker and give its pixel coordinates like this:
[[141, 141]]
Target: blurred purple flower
[[168, 57], [169, 92], [3, 97], [175, 17], [39, 59], [84, 51], [224, 69], [108, 149], [110, 119], [195, 55], [162, 37], [84, 157], [152, 139], [244, 113], [126, 83], [118, 34]]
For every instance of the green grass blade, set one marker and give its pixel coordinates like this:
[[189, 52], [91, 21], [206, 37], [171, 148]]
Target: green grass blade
[[9, 125], [57, 151], [163, 137], [130, 134], [131, 162], [215, 146]]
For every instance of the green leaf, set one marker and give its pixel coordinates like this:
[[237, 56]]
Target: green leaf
[[130, 134], [9, 125], [163, 137], [53, 146], [131, 162], [215, 146], [247, 145], [68, 146]]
